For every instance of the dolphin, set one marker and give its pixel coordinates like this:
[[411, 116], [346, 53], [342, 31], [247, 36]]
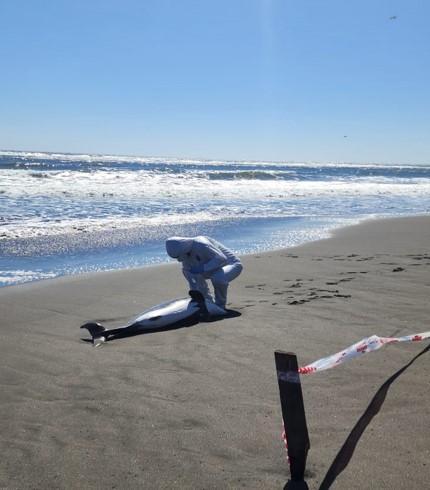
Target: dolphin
[[157, 317]]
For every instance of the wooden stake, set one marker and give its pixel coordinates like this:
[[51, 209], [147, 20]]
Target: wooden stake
[[293, 413]]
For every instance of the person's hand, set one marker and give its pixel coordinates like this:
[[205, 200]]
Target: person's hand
[[196, 269]]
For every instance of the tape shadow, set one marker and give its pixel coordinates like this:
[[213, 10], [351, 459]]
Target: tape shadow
[[344, 456]]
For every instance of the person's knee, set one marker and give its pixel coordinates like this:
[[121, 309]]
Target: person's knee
[[226, 274], [234, 271]]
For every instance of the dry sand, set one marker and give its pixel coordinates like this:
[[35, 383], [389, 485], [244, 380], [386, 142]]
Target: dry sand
[[198, 407]]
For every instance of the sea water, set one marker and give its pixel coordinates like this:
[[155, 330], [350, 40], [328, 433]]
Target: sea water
[[72, 213]]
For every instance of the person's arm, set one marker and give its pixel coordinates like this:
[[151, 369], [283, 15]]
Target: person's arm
[[214, 257]]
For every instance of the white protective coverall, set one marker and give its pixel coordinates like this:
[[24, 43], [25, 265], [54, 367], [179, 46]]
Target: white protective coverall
[[208, 259]]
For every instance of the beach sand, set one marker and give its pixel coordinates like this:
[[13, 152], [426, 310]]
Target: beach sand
[[198, 407]]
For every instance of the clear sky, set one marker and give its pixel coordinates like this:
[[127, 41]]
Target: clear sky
[[289, 80]]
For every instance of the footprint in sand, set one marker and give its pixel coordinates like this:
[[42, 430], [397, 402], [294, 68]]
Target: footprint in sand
[[298, 301], [335, 283]]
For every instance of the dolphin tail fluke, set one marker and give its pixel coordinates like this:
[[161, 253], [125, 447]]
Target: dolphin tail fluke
[[96, 330]]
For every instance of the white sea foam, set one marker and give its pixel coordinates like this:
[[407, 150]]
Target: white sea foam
[[144, 184], [43, 202], [62, 205], [12, 277], [36, 227]]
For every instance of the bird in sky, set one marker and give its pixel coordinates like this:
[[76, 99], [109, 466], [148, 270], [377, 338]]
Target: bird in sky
[[393, 17]]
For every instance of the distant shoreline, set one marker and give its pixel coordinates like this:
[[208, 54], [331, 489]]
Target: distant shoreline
[[331, 234]]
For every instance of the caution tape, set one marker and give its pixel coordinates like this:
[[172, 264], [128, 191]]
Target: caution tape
[[362, 347], [284, 437]]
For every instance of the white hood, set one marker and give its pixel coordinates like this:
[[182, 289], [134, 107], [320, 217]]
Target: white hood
[[177, 246]]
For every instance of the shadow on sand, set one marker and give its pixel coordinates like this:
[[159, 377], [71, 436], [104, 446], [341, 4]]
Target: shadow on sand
[[346, 452], [344, 456]]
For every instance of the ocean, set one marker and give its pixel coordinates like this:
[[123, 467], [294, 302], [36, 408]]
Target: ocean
[[66, 213]]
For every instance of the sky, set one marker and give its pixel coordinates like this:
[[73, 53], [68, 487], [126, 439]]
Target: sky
[[284, 80]]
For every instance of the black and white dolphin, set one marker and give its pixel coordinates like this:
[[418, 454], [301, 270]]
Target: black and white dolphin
[[157, 317]]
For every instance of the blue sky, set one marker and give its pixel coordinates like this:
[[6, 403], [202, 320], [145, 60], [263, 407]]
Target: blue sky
[[288, 80]]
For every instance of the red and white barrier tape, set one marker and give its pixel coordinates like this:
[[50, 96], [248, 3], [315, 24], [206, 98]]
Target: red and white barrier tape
[[363, 347], [284, 438]]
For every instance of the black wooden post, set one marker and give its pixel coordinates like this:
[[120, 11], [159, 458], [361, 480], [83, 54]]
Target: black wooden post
[[293, 413]]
